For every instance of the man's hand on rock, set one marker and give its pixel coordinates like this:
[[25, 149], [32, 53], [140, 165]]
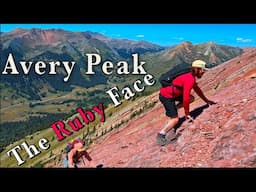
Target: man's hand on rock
[[209, 102]]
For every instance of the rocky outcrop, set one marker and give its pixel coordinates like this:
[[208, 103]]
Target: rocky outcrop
[[222, 135]]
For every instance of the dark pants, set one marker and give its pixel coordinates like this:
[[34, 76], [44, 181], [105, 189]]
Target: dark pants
[[169, 105]]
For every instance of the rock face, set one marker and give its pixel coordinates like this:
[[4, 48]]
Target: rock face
[[222, 135]]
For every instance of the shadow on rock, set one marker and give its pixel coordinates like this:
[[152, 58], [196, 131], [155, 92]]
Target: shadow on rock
[[195, 113]]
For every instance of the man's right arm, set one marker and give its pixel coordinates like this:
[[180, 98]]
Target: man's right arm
[[200, 93]]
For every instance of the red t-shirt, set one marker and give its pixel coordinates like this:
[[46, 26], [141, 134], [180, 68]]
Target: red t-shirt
[[187, 81]]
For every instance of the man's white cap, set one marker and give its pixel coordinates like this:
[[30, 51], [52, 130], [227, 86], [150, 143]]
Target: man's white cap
[[200, 64]]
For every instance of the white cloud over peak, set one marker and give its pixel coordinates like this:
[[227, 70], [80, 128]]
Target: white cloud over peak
[[243, 40], [140, 36]]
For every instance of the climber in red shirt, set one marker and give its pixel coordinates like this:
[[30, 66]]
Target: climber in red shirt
[[183, 86]]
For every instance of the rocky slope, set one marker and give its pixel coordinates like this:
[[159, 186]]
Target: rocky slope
[[222, 135]]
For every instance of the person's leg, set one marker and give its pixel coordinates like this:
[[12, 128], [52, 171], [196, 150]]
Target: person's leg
[[170, 123], [171, 118], [180, 100]]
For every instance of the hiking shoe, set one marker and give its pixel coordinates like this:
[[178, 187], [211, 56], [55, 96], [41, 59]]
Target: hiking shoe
[[161, 139]]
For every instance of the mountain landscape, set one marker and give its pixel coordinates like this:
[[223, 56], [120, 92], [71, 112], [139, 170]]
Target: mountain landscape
[[222, 135], [38, 100], [30, 103], [60, 45]]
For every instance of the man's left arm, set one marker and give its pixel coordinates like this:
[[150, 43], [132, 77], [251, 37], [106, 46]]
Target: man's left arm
[[200, 93]]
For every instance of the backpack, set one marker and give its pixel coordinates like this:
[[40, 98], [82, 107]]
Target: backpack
[[70, 145], [167, 78], [68, 148]]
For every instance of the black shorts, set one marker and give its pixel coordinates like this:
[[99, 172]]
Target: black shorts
[[169, 105]]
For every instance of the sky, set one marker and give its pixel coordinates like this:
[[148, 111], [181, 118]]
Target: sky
[[239, 35]]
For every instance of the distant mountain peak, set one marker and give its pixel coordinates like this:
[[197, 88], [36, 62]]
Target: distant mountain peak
[[18, 31], [212, 43], [209, 44], [186, 43]]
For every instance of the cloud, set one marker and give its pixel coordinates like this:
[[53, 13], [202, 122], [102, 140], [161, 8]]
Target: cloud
[[178, 38], [243, 40], [140, 36], [116, 35]]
